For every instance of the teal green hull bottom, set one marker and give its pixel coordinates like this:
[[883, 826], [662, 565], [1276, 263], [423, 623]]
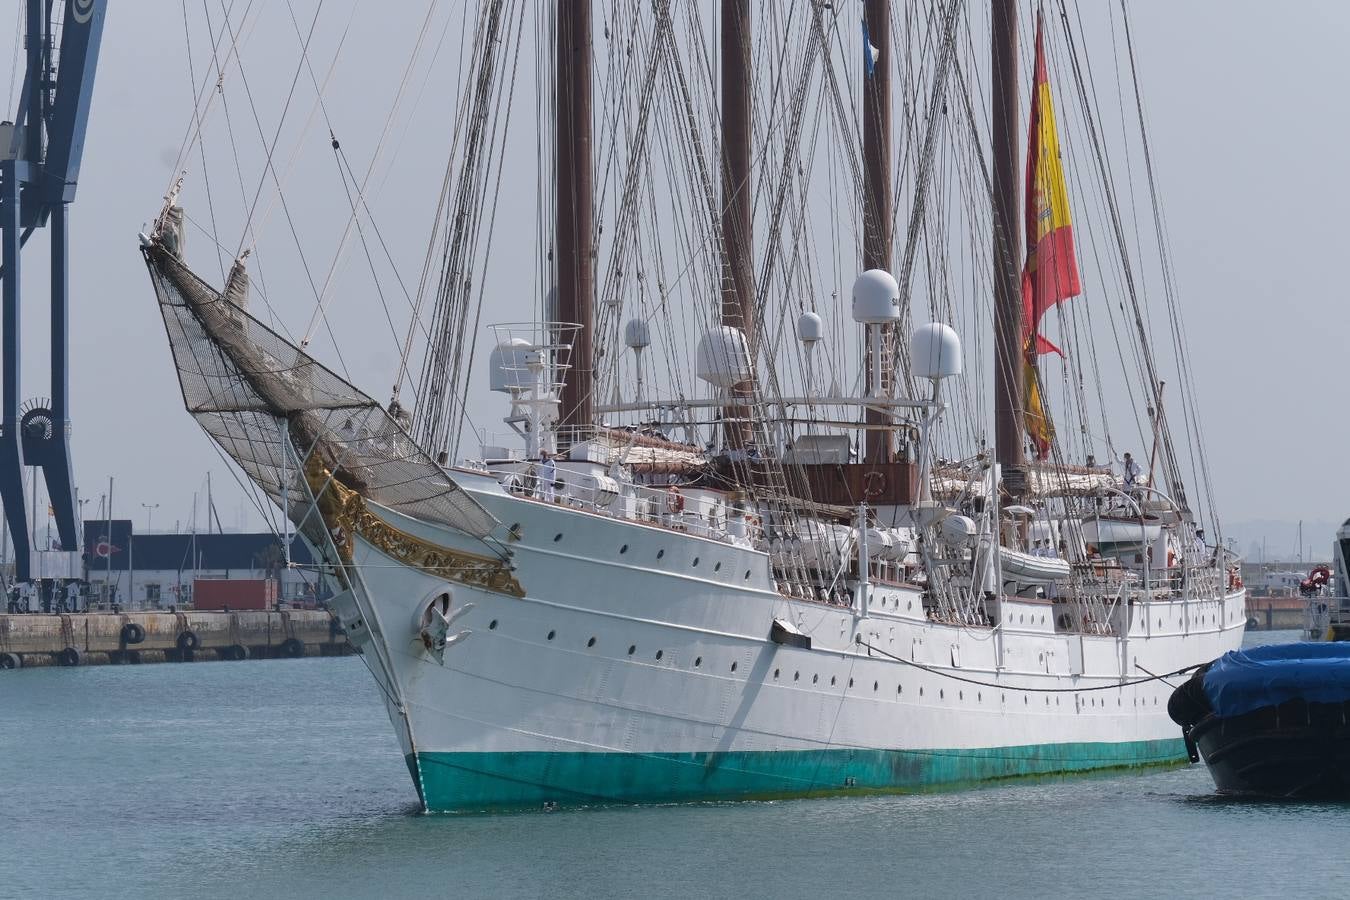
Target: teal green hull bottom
[[454, 782]]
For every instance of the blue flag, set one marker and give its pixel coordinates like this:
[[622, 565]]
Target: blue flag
[[870, 54]]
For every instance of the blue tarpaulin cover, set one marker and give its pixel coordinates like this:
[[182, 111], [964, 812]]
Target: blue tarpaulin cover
[[1243, 680]]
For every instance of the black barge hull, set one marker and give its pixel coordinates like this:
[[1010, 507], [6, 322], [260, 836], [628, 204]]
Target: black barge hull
[[1296, 750]]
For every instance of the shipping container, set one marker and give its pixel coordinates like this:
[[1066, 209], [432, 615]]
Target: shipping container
[[234, 593]]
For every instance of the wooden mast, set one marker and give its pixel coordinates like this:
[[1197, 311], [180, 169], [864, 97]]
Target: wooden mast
[[877, 218], [738, 279], [575, 253], [1008, 401]]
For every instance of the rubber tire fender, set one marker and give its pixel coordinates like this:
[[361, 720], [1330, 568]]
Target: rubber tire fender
[[68, 657], [132, 633], [188, 641], [11, 661], [292, 648]]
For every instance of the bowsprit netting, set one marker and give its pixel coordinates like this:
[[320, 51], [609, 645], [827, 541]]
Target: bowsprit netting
[[253, 391]]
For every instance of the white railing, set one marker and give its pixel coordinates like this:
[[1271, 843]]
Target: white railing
[[663, 507]]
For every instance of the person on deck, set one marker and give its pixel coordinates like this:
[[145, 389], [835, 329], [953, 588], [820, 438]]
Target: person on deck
[[1131, 472], [548, 473]]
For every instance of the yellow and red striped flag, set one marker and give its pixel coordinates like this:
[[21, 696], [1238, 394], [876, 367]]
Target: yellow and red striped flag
[[1050, 275]]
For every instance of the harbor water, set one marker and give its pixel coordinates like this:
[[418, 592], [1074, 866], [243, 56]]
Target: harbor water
[[283, 779]]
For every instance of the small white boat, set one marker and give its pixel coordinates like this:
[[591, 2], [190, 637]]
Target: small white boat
[[1121, 532], [1029, 569]]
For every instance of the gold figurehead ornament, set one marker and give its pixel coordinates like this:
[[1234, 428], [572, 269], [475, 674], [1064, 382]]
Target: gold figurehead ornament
[[345, 515]]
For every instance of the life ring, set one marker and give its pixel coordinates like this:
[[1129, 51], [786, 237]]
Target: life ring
[[132, 633], [292, 648], [874, 484], [674, 500], [188, 641]]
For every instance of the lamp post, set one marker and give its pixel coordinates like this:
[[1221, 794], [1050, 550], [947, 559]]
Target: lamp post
[[149, 511]]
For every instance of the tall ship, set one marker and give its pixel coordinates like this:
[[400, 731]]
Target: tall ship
[[782, 509]]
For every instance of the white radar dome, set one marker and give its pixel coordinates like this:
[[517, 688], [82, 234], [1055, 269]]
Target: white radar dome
[[507, 366], [809, 328], [636, 334], [723, 358], [935, 351], [876, 298]]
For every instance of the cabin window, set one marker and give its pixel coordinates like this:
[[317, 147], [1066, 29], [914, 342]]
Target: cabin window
[[632, 648], [557, 537], [492, 626], [552, 634], [660, 653], [591, 642], [623, 549]]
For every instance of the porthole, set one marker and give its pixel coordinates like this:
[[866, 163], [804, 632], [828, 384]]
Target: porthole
[[552, 635], [717, 567], [632, 648], [942, 695], [875, 685], [920, 692], [695, 561], [733, 667], [623, 549], [492, 626], [747, 574], [698, 661], [815, 678], [660, 653], [660, 553], [557, 537], [591, 642]]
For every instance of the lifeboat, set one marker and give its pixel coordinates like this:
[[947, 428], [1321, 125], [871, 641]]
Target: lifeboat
[[1121, 534]]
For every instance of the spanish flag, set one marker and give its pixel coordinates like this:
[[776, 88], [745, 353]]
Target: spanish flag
[[1050, 275]]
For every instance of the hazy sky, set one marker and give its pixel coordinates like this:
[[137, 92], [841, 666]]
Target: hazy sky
[[1247, 127]]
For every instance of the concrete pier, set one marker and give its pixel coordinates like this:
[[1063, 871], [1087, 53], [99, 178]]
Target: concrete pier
[[140, 637]]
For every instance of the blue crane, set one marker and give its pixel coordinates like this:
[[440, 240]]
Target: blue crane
[[40, 156]]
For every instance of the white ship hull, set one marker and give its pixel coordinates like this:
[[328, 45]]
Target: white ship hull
[[638, 667]]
